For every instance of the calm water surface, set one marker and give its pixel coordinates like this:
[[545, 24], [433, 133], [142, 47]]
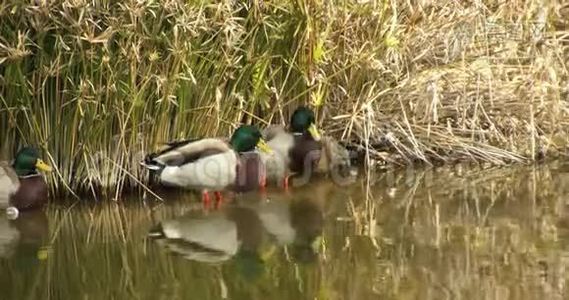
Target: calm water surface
[[446, 233]]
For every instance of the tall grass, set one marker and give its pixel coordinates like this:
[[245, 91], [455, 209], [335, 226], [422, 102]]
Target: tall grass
[[96, 84]]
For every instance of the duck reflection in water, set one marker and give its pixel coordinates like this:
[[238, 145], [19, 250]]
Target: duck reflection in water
[[246, 233], [22, 252], [213, 237], [295, 223], [232, 232], [24, 236]]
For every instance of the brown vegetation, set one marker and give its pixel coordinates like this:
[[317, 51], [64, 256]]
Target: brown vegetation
[[99, 83]]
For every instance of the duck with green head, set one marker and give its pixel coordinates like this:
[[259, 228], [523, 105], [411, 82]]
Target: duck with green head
[[213, 164], [21, 185], [296, 149], [300, 150]]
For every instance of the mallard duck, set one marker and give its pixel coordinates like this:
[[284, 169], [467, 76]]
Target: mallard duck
[[296, 149], [21, 185], [213, 164], [301, 150]]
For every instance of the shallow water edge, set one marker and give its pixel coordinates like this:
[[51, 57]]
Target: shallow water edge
[[461, 232]]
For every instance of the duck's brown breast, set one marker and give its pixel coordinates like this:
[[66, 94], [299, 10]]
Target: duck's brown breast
[[31, 194], [304, 155], [250, 172]]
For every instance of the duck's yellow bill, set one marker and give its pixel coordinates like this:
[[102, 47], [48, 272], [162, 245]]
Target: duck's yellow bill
[[314, 132], [42, 166], [263, 146]]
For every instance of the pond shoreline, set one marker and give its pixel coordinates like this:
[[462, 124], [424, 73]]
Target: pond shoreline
[[154, 192]]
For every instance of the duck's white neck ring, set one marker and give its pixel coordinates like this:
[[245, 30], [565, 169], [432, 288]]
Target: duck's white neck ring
[[247, 152], [29, 176]]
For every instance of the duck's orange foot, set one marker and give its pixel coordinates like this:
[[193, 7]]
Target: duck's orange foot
[[218, 199], [286, 182], [206, 201], [263, 182]]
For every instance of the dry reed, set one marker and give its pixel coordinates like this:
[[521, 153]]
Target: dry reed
[[96, 84]]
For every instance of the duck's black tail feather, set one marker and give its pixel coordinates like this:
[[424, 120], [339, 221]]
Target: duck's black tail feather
[[151, 164]]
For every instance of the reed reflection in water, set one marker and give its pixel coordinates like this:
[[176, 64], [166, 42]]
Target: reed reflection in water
[[461, 232]]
